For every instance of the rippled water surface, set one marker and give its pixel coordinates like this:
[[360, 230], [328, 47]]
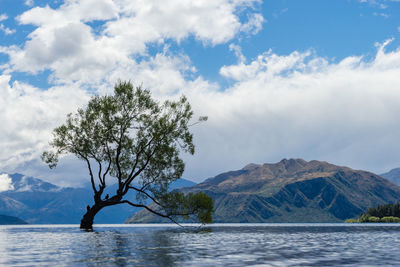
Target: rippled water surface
[[217, 245]]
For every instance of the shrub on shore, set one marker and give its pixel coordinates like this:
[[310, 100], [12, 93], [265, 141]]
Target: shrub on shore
[[390, 219], [351, 221]]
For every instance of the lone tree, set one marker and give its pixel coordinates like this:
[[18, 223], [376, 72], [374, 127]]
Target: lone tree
[[137, 141]]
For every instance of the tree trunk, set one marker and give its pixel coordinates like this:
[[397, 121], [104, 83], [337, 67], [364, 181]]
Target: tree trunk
[[87, 219]]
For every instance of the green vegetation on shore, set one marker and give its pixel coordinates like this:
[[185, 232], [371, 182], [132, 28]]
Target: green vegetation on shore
[[389, 213]]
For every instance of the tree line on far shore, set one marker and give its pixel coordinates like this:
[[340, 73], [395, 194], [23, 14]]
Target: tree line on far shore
[[389, 213]]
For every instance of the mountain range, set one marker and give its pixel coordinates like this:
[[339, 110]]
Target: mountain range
[[291, 190], [39, 202], [393, 176]]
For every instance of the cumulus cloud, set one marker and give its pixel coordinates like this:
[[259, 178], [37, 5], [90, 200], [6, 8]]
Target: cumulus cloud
[[5, 183], [6, 30], [28, 116], [254, 25], [3, 17], [301, 105], [295, 105], [238, 52], [65, 43], [29, 2]]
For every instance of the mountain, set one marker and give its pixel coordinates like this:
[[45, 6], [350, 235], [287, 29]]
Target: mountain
[[291, 190], [39, 202], [4, 220], [393, 176], [22, 183]]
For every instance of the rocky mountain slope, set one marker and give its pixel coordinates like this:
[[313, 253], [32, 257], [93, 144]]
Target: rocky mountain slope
[[39, 202], [291, 190]]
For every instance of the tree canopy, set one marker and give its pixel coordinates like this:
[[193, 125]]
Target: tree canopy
[[384, 211], [137, 141]]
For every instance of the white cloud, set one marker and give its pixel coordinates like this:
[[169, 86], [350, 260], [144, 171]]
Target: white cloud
[[300, 105], [296, 105], [238, 52], [3, 17], [28, 116], [29, 2], [6, 30], [384, 15], [3, 28], [267, 64], [64, 43], [5, 183], [381, 4], [254, 25]]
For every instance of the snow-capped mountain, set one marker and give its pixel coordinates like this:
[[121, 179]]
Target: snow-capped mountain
[[22, 183]]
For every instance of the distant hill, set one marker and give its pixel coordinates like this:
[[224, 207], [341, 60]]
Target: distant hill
[[393, 176], [4, 220], [39, 202], [291, 190]]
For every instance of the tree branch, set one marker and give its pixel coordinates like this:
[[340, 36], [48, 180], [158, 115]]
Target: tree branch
[[127, 183], [168, 216], [109, 163], [90, 171], [131, 177], [147, 194]]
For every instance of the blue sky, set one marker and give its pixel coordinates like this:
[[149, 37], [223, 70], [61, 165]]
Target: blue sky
[[315, 79]]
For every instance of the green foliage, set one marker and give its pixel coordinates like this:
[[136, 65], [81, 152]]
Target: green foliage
[[178, 204], [204, 206], [351, 221], [128, 129], [374, 219], [129, 136], [363, 218], [50, 159], [390, 219]]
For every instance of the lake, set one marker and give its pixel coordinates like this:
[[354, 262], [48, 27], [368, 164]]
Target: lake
[[215, 245]]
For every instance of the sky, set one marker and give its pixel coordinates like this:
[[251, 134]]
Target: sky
[[315, 79]]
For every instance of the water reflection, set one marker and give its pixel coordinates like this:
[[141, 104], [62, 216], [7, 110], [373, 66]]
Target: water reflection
[[223, 245], [3, 246], [125, 248]]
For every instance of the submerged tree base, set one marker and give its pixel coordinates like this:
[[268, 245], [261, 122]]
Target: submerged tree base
[[86, 224], [88, 217]]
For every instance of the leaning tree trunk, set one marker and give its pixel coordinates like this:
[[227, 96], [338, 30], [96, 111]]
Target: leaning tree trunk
[[87, 219]]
